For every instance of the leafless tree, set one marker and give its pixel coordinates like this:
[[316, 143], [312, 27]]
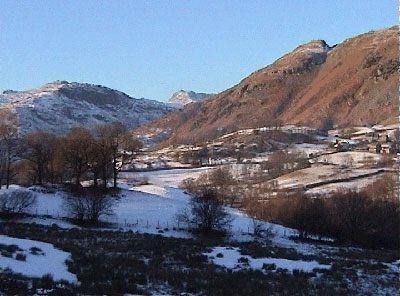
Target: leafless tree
[[102, 148], [88, 204], [8, 145], [352, 209], [37, 148], [219, 180], [123, 147], [208, 213], [17, 201], [76, 149]]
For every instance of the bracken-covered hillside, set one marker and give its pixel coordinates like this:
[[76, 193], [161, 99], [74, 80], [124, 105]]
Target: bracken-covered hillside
[[352, 83]]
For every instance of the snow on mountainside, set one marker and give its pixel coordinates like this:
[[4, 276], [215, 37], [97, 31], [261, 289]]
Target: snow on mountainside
[[182, 98], [61, 105]]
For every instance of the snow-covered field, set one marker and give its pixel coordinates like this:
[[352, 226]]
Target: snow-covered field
[[352, 158], [329, 172], [152, 208], [144, 209], [47, 260], [308, 148]]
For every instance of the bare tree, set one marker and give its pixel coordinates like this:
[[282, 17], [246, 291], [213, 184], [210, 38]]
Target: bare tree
[[208, 213], [123, 148], [266, 191], [89, 204], [220, 180], [385, 188], [8, 144], [76, 151], [16, 202], [37, 147], [352, 208], [261, 230], [102, 165]]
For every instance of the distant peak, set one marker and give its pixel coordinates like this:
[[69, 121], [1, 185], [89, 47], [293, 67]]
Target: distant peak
[[317, 46], [302, 57], [182, 97], [9, 91], [57, 82]]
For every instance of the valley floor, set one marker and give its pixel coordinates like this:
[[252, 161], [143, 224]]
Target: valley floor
[[144, 250]]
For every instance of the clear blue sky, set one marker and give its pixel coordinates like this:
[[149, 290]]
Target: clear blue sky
[[153, 48]]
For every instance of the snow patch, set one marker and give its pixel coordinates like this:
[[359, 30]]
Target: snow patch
[[230, 259], [52, 261]]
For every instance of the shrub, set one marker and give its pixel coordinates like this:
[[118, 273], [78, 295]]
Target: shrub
[[269, 266], [243, 260], [219, 180], [36, 251], [20, 257], [144, 180], [366, 218], [47, 281], [17, 201], [206, 213], [88, 204]]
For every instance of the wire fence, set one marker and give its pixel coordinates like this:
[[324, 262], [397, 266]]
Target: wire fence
[[160, 225]]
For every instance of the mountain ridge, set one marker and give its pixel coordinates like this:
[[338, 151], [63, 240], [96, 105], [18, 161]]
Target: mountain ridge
[[314, 85], [60, 105]]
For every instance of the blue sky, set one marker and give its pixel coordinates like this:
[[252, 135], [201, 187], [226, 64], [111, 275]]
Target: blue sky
[[153, 48]]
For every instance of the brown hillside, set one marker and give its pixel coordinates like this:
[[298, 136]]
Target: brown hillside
[[357, 84], [354, 83]]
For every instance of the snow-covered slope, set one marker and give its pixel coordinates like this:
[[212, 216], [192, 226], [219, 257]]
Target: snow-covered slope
[[182, 98], [60, 105]]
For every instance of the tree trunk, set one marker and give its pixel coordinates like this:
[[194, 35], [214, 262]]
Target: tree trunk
[[1, 175], [104, 176], [78, 179], [115, 173], [8, 175], [40, 175], [115, 178], [95, 179]]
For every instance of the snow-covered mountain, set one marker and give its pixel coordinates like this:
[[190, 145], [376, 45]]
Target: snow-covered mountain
[[182, 98], [60, 105]]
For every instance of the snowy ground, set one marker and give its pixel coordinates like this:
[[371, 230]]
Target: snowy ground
[[308, 148], [152, 209], [357, 185], [352, 158], [47, 261], [232, 259], [329, 172]]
